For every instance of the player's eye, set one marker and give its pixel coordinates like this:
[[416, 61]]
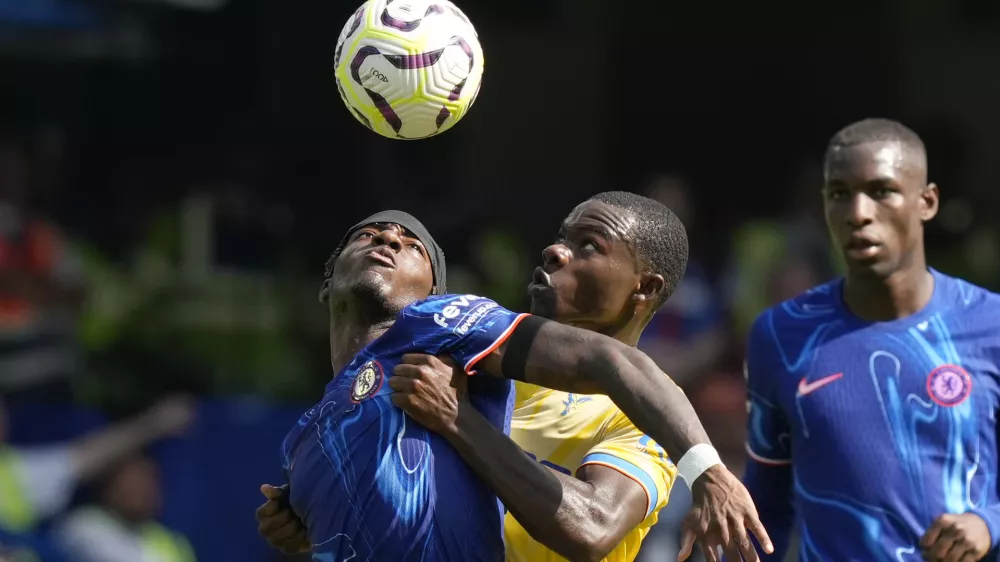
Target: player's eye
[[881, 193], [415, 246], [589, 246], [836, 194], [364, 234]]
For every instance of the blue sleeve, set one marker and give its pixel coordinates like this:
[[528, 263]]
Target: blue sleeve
[[768, 475], [991, 514], [466, 327]]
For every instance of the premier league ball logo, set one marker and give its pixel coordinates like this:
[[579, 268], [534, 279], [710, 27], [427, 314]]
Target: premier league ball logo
[[367, 382], [949, 385]]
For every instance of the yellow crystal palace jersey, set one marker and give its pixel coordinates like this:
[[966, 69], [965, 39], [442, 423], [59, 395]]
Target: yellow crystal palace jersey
[[564, 431]]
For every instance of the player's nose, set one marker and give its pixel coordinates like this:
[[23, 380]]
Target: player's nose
[[555, 257], [860, 210], [389, 236]]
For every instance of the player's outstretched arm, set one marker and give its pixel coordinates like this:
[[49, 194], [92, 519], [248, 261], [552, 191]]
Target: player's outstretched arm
[[769, 464], [581, 518], [565, 358]]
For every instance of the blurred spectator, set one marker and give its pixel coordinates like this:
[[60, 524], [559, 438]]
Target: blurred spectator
[[39, 482], [40, 288], [760, 246], [688, 334], [789, 279], [123, 527]]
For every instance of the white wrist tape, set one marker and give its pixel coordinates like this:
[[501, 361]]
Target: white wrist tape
[[696, 461]]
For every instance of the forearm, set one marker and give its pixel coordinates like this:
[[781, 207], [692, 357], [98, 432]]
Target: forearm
[[557, 510], [650, 399], [572, 360]]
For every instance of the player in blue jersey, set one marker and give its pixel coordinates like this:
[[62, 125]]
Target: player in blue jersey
[[873, 398], [369, 484]]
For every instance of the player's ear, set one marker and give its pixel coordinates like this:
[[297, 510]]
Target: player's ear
[[651, 286], [324, 291], [930, 198]]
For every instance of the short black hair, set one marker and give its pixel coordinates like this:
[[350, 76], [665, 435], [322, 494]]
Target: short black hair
[[878, 130], [658, 237]]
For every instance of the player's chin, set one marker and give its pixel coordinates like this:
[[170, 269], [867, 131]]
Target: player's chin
[[373, 282], [543, 305], [871, 267]]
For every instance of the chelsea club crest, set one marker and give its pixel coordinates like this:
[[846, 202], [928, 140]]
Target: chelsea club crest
[[367, 382], [949, 385]]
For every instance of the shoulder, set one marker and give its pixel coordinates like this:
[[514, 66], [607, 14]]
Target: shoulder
[[806, 311], [972, 310], [627, 450], [967, 297], [466, 326], [617, 433], [446, 307], [788, 329]]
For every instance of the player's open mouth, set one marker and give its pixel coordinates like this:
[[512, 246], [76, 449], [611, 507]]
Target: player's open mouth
[[381, 257], [862, 248]]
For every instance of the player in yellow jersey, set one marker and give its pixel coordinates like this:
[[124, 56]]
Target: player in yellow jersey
[[617, 259], [613, 480], [584, 436]]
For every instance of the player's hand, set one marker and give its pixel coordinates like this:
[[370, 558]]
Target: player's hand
[[956, 538], [429, 389], [721, 513], [277, 523]]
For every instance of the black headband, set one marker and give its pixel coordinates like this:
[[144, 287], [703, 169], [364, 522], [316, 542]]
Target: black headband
[[417, 229]]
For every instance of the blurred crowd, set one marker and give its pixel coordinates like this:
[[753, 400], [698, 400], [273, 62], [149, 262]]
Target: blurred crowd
[[107, 342]]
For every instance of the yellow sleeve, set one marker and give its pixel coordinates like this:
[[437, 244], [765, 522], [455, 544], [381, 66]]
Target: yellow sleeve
[[624, 448]]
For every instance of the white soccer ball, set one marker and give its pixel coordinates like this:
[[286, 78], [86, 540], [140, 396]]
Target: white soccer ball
[[409, 69]]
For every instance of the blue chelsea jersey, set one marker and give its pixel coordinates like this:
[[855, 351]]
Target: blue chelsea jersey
[[373, 485], [865, 432]]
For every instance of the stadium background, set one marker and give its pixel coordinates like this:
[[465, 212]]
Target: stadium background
[[195, 156]]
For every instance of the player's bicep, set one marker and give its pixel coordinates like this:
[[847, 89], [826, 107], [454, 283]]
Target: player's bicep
[[556, 356]]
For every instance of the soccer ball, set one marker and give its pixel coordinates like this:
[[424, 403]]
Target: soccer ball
[[409, 69]]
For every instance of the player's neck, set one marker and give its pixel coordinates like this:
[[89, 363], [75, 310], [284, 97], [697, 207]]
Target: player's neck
[[347, 341], [628, 332], [351, 329], [899, 295]]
